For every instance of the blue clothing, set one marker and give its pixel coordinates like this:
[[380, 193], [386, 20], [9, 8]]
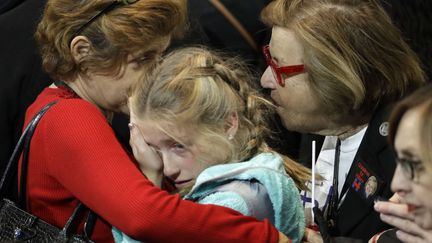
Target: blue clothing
[[259, 187], [268, 170]]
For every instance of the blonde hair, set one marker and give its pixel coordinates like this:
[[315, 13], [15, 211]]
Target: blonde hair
[[125, 30], [199, 88], [355, 57], [422, 100]]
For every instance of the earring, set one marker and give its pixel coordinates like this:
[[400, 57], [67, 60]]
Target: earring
[[230, 137]]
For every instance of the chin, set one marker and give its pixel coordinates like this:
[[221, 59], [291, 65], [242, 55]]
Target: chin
[[122, 109], [424, 220], [293, 125], [302, 127]]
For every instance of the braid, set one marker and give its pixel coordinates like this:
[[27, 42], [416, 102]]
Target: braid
[[255, 108], [254, 118]]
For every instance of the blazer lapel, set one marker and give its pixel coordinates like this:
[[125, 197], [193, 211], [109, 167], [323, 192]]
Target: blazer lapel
[[368, 176]]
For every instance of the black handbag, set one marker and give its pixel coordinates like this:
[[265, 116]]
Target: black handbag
[[17, 225]]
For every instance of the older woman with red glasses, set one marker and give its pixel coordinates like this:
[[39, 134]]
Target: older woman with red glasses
[[334, 69]]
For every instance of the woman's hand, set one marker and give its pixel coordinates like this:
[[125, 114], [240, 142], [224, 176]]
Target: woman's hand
[[312, 236], [398, 215], [148, 159]]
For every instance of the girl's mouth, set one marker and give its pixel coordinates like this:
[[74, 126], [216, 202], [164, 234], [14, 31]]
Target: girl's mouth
[[182, 182]]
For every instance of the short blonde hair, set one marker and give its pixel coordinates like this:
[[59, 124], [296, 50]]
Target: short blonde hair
[[201, 89], [355, 57], [125, 30]]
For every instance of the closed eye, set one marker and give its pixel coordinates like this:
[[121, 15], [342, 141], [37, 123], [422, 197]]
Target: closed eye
[[178, 146], [145, 58]]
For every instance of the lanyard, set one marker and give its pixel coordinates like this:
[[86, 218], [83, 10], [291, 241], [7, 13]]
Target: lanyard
[[334, 198]]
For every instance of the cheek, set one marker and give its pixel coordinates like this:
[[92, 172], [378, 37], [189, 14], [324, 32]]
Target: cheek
[[188, 164], [299, 104], [422, 194], [296, 95], [132, 76]]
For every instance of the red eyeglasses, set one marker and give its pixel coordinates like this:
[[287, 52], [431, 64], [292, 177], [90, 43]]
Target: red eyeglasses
[[278, 71]]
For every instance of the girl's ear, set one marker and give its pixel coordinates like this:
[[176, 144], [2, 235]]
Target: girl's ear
[[80, 48], [232, 125]]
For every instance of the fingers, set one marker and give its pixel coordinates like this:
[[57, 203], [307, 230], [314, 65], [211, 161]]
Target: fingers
[[400, 223], [395, 209], [409, 238], [312, 236], [306, 235], [136, 140], [409, 227], [398, 215], [395, 198], [147, 157], [283, 238]]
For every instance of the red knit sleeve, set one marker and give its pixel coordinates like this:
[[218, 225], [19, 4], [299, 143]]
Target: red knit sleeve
[[86, 158]]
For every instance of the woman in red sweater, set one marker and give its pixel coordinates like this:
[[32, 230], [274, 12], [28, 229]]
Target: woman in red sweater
[[99, 49]]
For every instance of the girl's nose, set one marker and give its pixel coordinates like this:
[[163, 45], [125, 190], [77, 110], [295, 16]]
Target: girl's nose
[[170, 169]]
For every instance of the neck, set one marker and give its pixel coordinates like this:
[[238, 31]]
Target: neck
[[348, 132], [81, 92]]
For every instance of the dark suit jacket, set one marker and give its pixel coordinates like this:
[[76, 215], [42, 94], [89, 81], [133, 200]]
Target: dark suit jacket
[[6, 5], [356, 217], [21, 76]]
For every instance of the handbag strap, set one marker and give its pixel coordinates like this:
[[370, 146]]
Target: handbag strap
[[26, 148], [72, 223], [11, 167], [235, 23], [23, 146]]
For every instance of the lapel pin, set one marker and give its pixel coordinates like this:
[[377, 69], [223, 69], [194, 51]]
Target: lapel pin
[[383, 129], [370, 186]]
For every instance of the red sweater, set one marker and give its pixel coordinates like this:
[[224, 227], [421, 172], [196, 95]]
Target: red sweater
[[74, 155]]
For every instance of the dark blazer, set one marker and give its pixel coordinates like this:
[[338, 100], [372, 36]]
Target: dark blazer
[[356, 217], [21, 75], [6, 5]]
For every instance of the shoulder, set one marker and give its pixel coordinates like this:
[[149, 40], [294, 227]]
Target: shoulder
[[74, 112], [266, 168], [67, 106], [246, 196], [69, 120], [75, 107], [227, 199]]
